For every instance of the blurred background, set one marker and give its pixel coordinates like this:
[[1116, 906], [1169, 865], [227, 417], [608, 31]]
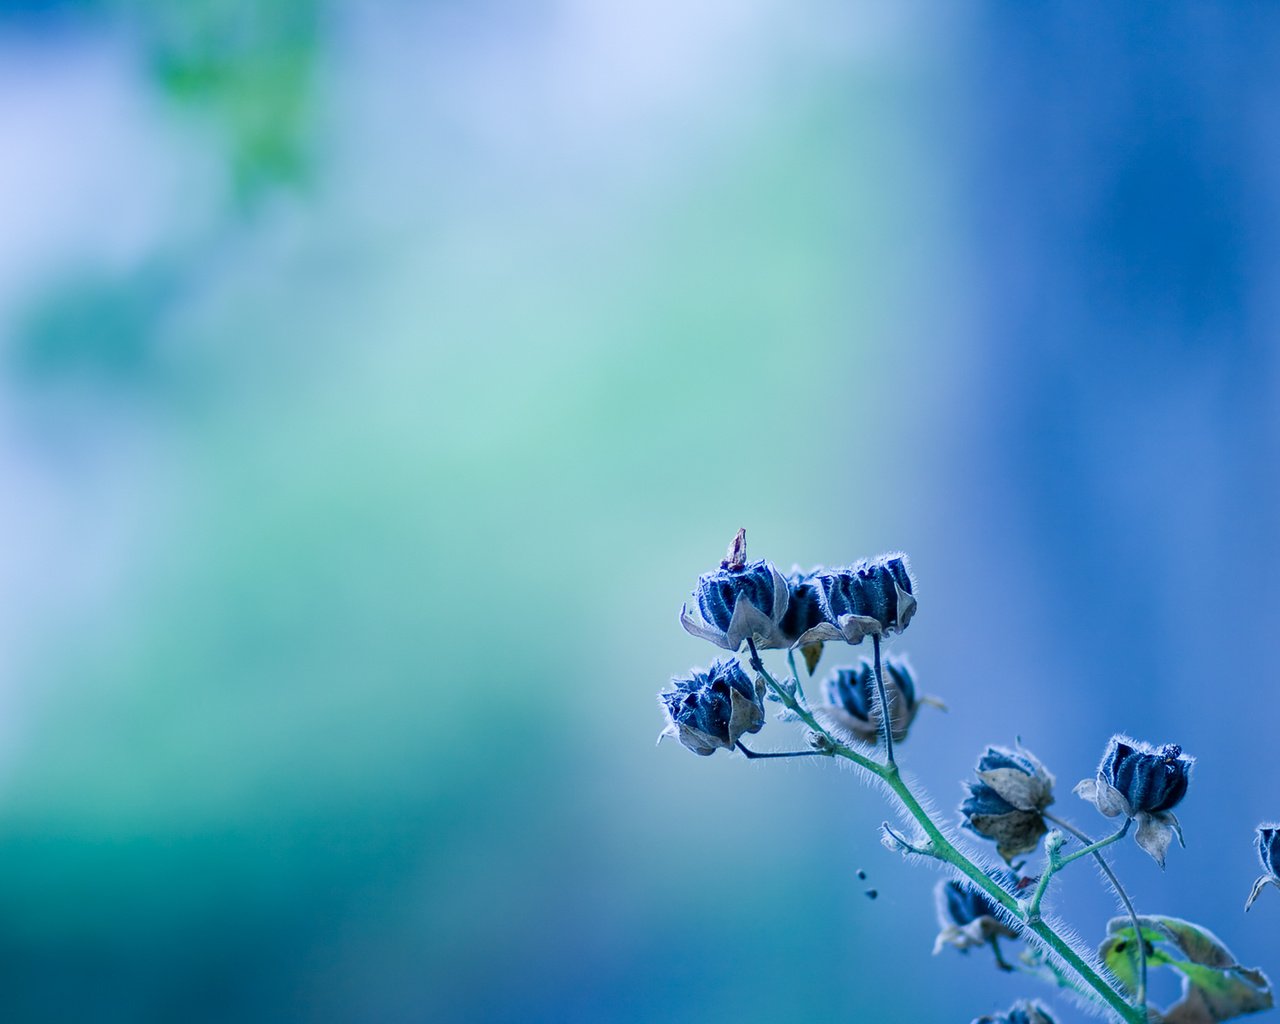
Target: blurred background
[[377, 377]]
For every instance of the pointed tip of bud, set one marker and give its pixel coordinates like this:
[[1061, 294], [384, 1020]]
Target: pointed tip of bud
[[736, 557]]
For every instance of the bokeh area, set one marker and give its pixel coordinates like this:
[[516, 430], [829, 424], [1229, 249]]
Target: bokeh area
[[376, 378]]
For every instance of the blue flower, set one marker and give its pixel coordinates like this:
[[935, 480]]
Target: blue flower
[[967, 916], [849, 698], [868, 599], [1268, 843], [1143, 783], [1023, 1012], [740, 601], [1008, 801], [713, 709]]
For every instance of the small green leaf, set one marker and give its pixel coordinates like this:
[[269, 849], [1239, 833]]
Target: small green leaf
[[1120, 951]]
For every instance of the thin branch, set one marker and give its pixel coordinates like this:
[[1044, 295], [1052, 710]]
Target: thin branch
[[783, 753], [1119, 890], [1055, 863]]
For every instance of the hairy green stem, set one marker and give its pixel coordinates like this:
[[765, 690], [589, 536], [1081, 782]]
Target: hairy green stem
[[834, 746], [1124, 898], [942, 848]]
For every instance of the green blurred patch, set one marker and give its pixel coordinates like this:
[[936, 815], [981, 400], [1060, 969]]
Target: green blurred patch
[[251, 67]]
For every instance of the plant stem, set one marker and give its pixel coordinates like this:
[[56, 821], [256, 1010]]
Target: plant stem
[[1095, 847], [886, 724], [1055, 863], [1001, 962], [834, 745], [1124, 898], [943, 849], [795, 675], [753, 754]]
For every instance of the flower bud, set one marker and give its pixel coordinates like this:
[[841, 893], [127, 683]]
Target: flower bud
[[967, 917], [866, 599], [803, 613], [803, 609], [713, 709], [1144, 783], [1023, 1012], [1149, 780], [1008, 801], [1268, 844], [849, 697], [740, 601]]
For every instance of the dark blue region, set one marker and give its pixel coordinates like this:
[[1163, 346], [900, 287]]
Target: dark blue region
[[1151, 782], [1119, 486], [1125, 195], [37, 12]]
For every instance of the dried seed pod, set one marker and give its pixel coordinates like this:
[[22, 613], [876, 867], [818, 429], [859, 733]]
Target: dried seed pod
[[1008, 801], [849, 698], [871, 598], [967, 917], [1143, 783], [1024, 1012], [713, 709], [739, 601]]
